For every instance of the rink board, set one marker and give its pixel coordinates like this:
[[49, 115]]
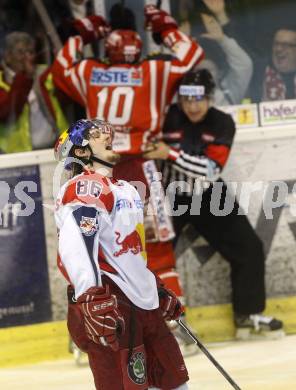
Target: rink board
[[33, 343], [49, 341]]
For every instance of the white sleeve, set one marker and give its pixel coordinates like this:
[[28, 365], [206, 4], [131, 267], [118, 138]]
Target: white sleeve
[[237, 80], [78, 247]]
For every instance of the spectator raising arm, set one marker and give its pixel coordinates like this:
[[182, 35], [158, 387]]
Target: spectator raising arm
[[234, 82]]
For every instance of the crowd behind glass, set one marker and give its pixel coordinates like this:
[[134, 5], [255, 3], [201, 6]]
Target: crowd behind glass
[[250, 48]]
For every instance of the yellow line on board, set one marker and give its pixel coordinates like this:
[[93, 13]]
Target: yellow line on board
[[49, 341], [33, 343], [215, 323]]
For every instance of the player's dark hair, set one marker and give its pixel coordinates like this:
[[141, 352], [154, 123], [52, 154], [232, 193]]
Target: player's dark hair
[[122, 18], [200, 77], [288, 24], [77, 167]]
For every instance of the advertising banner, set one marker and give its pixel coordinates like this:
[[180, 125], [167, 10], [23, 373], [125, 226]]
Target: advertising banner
[[277, 113], [24, 284], [244, 115]]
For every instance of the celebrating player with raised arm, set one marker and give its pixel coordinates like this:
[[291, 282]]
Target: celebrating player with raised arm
[[117, 307], [133, 95]]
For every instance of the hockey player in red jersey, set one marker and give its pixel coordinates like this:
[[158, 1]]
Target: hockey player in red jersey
[[117, 307], [133, 95]]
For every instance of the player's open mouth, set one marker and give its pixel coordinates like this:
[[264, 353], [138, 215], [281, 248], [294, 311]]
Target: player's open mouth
[[108, 147]]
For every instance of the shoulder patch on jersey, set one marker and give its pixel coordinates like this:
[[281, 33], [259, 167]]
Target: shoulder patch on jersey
[[139, 204], [88, 226], [123, 204]]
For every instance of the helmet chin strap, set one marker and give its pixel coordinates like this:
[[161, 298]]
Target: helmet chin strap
[[98, 160]]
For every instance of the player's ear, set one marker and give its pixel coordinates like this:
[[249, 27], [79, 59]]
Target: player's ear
[[79, 152]]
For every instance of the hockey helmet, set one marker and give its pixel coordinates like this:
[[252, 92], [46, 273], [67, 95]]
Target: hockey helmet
[[78, 135], [197, 84], [123, 46]]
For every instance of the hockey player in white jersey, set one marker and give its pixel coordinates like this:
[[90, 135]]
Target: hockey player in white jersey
[[117, 307]]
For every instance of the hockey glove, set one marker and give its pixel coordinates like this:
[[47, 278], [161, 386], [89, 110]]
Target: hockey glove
[[91, 28], [158, 20], [169, 304], [102, 320]]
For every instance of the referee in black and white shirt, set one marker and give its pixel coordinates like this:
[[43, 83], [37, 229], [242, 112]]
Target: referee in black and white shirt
[[197, 139]]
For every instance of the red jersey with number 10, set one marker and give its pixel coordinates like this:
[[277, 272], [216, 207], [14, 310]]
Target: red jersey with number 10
[[132, 97]]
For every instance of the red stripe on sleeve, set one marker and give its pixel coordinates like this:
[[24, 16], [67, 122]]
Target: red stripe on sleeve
[[103, 262], [218, 153], [62, 268], [173, 154]]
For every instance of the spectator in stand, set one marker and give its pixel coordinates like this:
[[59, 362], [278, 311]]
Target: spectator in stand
[[13, 17], [62, 14], [225, 56], [232, 17], [229, 64], [252, 24], [30, 113], [279, 76]]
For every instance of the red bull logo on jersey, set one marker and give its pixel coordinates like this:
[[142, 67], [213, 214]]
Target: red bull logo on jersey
[[88, 226], [116, 76], [132, 243]]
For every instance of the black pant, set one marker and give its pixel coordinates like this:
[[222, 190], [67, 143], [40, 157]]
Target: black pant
[[235, 239]]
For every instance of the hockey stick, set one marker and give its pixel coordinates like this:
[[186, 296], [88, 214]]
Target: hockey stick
[[208, 355]]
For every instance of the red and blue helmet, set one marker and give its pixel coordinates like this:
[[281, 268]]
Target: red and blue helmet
[[78, 135]]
